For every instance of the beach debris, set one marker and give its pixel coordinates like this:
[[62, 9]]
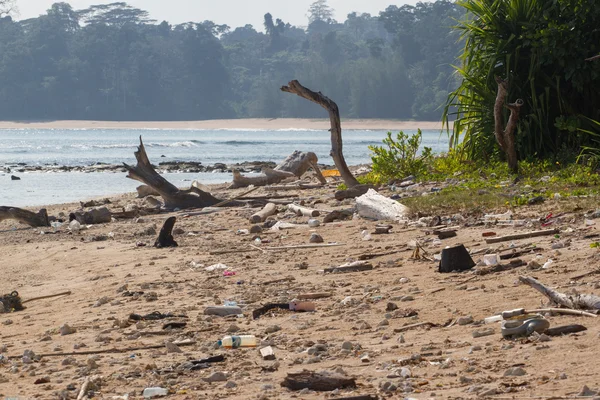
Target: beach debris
[[165, 237], [11, 302], [173, 196], [172, 348], [233, 342], [355, 266], [300, 306], [565, 330], [525, 235], [96, 215], [295, 87], [303, 211], [373, 205], [267, 353], [340, 215], [382, 229], [156, 391], [39, 219], [145, 191], [313, 223], [65, 329], [294, 166], [261, 216], [455, 258], [323, 381], [575, 302], [14, 178], [223, 311], [216, 377]]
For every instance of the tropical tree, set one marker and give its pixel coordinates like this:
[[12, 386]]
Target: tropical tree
[[539, 48]]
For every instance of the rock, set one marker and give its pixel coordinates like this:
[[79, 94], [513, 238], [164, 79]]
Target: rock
[[465, 320], [405, 372], [66, 330], [587, 392], [315, 238], [347, 346], [230, 385], [101, 301], [172, 348], [515, 371], [14, 178], [233, 328], [256, 229], [313, 223], [391, 307], [216, 377], [365, 358], [91, 363], [272, 329], [154, 392]]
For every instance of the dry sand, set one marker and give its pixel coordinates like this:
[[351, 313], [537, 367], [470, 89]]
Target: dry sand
[[266, 124], [447, 361]]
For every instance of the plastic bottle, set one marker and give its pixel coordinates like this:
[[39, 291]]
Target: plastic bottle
[[75, 226], [233, 342], [154, 392]]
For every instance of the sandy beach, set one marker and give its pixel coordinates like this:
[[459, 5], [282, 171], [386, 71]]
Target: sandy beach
[[364, 327], [251, 124]]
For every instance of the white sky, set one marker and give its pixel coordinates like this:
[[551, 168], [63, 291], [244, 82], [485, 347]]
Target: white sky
[[231, 12]]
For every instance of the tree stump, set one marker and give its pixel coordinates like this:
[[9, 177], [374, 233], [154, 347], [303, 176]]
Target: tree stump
[[26, 217]]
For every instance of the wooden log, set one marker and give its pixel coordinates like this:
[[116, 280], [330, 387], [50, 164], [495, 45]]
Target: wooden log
[[301, 186], [262, 215], [356, 266], [352, 192], [304, 246], [303, 211], [338, 215], [98, 215], [564, 330], [318, 381], [576, 302], [382, 229], [336, 127], [165, 237], [268, 177], [525, 235], [173, 196], [25, 217], [299, 162], [412, 326], [145, 191]]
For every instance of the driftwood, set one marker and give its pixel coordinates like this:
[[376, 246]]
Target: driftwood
[[352, 192], [525, 235], [304, 246], [338, 215], [98, 215], [262, 215], [576, 302], [336, 127], [303, 211], [299, 162], [173, 196], [165, 237], [294, 166], [49, 296], [356, 266], [26, 217], [506, 136], [145, 190], [318, 381]]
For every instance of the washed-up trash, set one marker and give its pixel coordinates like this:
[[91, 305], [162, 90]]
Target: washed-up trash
[[11, 302], [455, 258], [292, 306], [223, 310], [234, 342], [215, 267], [491, 259], [152, 392], [154, 316], [373, 205]]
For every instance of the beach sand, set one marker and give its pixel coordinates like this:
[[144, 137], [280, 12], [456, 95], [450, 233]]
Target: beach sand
[[266, 124], [99, 264]]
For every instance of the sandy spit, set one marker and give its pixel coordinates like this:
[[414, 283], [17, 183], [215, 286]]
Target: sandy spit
[[254, 123]]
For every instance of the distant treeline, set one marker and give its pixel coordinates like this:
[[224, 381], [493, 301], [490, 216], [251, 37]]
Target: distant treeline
[[112, 62]]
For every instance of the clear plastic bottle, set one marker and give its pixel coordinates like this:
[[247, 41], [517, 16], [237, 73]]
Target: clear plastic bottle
[[233, 342]]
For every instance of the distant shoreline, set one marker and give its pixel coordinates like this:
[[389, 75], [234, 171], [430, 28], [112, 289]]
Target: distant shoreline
[[232, 124]]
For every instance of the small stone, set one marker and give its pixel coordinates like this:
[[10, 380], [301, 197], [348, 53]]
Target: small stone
[[91, 363], [347, 346], [230, 385], [313, 223], [407, 298], [405, 372], [365, 358], [515, 371], [272, 329], [256, 229], [66, 330], [391, 306], [233, 328], [7, 322], [172, 348], [562, 376], [385, 322], [401, 339], [465, 320], [216, 377], [316, 238], [587, 392]]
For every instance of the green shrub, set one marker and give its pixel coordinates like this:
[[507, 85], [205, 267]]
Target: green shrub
[[400, 158]]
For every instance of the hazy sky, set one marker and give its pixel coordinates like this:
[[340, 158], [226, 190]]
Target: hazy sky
[[231, 12]]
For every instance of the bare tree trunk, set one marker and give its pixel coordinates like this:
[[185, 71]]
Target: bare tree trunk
[[25, 217], [336, 127], [576, 302], [506, 136], [173, 196]]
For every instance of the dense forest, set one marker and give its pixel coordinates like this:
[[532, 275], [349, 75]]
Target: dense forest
[[113, 62]]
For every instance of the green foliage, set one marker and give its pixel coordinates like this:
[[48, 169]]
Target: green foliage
[[401, 156], [540, 47]]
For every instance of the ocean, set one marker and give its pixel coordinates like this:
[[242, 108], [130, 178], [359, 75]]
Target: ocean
[[80, 147]]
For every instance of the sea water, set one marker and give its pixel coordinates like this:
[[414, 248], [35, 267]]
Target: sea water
[[77, 147]]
